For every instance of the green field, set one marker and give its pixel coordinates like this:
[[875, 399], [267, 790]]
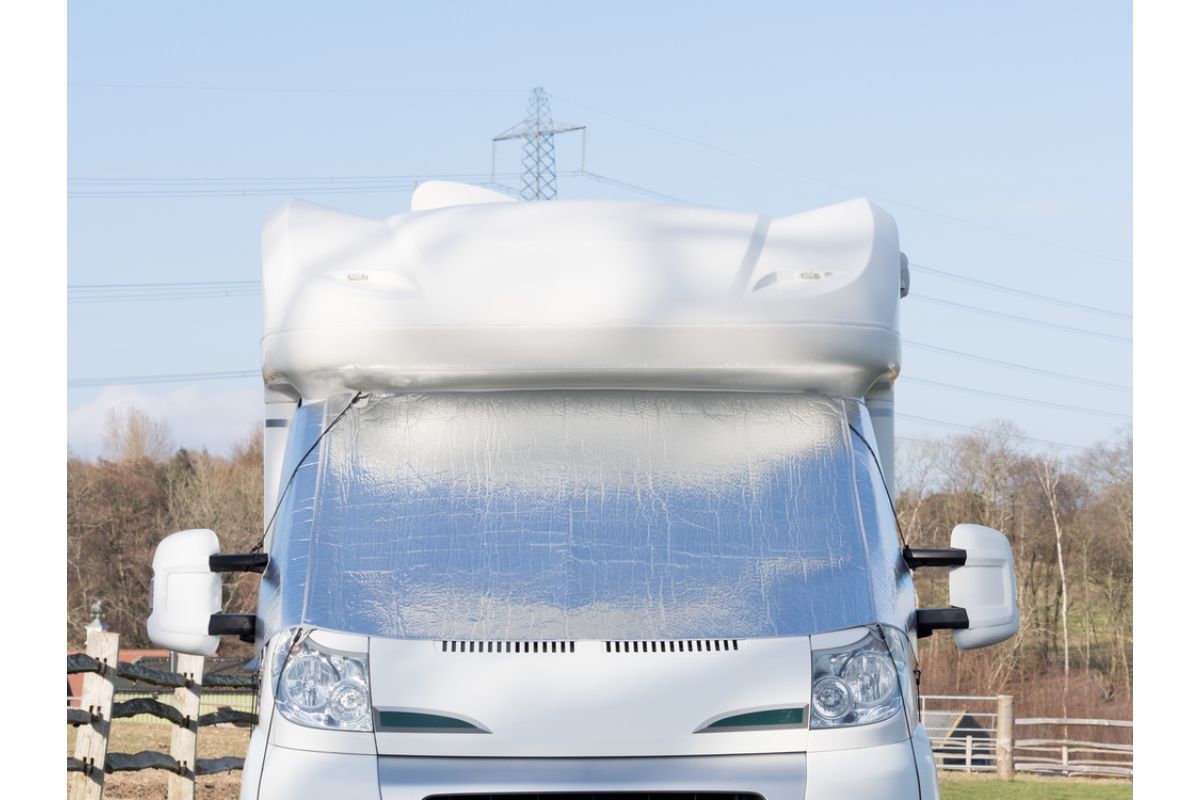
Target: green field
[[1027, 788]]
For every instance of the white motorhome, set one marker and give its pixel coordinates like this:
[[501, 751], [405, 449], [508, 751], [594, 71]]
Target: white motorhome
[[583, 500]]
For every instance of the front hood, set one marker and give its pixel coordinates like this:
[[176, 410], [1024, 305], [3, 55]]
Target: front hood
[[589, 698]]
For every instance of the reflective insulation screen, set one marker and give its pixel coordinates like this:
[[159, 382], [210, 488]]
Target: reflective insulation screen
[[579, 515]]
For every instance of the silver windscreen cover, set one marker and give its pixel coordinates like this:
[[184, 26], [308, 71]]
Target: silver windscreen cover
[[583, 515]]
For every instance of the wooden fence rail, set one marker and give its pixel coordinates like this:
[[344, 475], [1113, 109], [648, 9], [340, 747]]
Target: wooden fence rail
[[991, 744], [97, 710], [1072, 756]]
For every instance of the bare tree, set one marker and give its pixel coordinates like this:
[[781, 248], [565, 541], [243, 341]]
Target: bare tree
[[132, 435], [1049, 475]]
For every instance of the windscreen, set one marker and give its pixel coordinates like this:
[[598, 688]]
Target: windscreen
[[577, 515]]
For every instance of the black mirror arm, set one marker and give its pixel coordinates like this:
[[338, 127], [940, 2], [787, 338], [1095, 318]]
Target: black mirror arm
[[917, 557], [239, 562], [239, 625], [932, 619]]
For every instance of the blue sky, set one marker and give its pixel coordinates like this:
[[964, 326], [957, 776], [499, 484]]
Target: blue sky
[[998, 135]]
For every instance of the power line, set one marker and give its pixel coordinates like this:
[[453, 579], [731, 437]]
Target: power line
[[112, 194], [1016, 398], [89, 180], [856, 190], [631, 187], [278, 190], [180, 377], [622, 184], [156, 285], [968, 429], [1018, 318], [945, 446], [661, 131], [135, 297], [1021, 367], [120, 292], [1020, 292], [281, 89]]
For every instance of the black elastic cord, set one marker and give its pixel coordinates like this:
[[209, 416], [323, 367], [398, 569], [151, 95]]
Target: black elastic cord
[[300, 463], [883, 480]]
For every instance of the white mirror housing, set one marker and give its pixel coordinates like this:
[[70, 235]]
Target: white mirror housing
[[185, 594], [985, 586]]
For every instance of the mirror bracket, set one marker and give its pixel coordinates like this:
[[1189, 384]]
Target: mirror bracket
[[917, 557], [932, 619], [240, 625], [239, 562]]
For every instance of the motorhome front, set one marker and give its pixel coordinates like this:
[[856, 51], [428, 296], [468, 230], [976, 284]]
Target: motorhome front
[[583, 499]]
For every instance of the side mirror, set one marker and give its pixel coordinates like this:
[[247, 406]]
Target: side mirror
[[186, 593], [985, 586]]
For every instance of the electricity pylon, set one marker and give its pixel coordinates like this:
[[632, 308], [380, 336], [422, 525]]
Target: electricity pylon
[[538, 129]]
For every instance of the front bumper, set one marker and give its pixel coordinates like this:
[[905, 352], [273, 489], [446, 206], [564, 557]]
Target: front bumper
[[886, 772]]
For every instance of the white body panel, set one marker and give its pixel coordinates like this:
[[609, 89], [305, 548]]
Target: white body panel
[[591, 703], [590, 721], [884, 772]]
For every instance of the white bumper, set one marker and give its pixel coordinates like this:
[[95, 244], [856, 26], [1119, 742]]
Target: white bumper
[[886, 772]]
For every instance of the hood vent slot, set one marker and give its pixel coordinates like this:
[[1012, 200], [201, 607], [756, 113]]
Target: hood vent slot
[[496, 647], [672, 646]]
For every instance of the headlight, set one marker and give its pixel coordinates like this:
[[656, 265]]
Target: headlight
[[855, 685], [323, 689]]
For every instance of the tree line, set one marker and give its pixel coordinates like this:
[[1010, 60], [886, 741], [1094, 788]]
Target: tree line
[[1070, 521], [139, 489]]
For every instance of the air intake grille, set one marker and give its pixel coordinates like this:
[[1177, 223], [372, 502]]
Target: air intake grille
[[602, 796], [507, 647], [673, 646]]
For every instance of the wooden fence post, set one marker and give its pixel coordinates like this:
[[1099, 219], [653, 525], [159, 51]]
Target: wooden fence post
[[970, 760], [1004, 736], [91, 740], [183, 738]]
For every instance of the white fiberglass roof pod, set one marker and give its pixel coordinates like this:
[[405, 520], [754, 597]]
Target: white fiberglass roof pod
[[491, 295]]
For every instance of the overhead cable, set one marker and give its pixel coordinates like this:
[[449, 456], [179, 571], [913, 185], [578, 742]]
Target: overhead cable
[[845, 187]]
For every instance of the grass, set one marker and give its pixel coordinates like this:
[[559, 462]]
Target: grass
[[964, 787]]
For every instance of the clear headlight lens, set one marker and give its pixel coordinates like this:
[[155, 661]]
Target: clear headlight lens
[[307, 679], [831, 697], [871, 677], [349, 702], [855, 685], [323, 689]]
